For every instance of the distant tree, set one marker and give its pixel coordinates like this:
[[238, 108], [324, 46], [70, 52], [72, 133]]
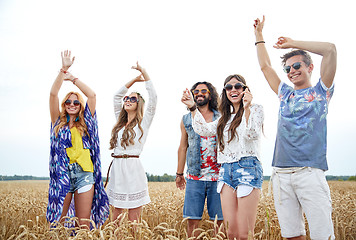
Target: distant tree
[[352, 178]]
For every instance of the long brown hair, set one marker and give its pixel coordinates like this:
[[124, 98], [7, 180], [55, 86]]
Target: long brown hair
[[129, 134], [80, 124], [225, 110]]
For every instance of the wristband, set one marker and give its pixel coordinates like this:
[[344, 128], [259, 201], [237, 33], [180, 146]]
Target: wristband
[[259, 42], [192, 109], [63, 71], [74, 80], [179, 174]]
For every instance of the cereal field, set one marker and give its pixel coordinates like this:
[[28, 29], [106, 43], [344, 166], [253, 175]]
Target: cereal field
[[23, 206]]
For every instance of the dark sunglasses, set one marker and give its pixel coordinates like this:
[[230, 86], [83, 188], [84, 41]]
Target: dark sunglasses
[[75, 102], [131, 99], [203, 91], [237, 86], [296, 66]]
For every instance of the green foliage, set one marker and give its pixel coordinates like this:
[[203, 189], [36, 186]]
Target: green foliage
[[157, 178], [352, 178], [26, 177]]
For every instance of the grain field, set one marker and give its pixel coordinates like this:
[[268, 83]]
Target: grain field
[[23, 208]]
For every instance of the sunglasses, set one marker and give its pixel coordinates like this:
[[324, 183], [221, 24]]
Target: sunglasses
[[75, 102], [132, 99], [203, 91], [237, 86], [296, 66]]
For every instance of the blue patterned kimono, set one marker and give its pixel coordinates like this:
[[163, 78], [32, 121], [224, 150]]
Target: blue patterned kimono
[[58, 167]]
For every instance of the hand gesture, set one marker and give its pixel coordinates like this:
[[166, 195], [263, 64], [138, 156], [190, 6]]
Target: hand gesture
[[69, 77], [66, 61], [187, 98], [144, 75], [283, 43], [139, 78], [247, 98], [258, 25], [180, 182]]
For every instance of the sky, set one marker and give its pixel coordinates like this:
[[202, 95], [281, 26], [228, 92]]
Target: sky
[[179, 43]]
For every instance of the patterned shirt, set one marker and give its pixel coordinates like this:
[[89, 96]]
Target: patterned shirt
[[209, 166], [58, 167], [301, 134]]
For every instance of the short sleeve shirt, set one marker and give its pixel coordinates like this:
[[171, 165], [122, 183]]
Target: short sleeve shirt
[[301, 134]]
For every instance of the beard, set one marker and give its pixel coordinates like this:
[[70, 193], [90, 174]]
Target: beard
[[201, 103]]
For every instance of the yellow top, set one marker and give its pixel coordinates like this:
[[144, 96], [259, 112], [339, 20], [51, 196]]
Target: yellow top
[[77, 153]]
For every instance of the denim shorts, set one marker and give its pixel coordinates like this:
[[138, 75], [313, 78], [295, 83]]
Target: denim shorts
[[78, 177], [247, 171], [195, 193]]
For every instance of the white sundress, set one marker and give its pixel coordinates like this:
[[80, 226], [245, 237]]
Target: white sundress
[[127, 186]]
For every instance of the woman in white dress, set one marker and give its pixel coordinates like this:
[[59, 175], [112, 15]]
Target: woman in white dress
[[127, 187]]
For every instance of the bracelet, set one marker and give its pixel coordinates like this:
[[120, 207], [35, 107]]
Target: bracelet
[[179, 174], [63, 71], [259, 42], [192, 109], [74, 80]]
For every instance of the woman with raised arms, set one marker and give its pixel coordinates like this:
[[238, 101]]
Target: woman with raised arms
[[127, 187]]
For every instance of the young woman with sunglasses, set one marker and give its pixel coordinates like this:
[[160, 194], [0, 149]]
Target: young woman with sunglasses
[[75, 167], [238, 129], [127, 187]]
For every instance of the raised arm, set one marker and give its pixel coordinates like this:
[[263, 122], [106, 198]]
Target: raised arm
[[263, 57], [325, 49], [53, 96], [199, 124], [152, 95], [86, 90]]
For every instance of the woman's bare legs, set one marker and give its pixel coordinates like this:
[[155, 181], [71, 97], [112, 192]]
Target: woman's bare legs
[[239, 213], [83, 203]]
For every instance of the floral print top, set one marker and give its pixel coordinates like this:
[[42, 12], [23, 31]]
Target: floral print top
[[301, 133]]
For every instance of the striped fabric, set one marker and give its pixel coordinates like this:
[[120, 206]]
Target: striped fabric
[[58, 168]]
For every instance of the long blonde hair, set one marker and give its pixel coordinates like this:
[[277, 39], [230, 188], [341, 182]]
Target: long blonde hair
[[129, 134], [80, 124]]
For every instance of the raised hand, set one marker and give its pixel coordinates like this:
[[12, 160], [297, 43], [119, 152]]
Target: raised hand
[[187, 98], [69, 77], [258, 25], [144, 75], [283, 43], [138, 67], [247, 98], [66, 60], [139, 78]]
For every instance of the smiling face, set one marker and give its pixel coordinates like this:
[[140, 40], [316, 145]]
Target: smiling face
[[130, 106], [299, 77], [234, 95], [71, 108], [202, 99]]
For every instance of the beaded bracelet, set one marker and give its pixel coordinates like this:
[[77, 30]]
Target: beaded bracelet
[[259, 42]]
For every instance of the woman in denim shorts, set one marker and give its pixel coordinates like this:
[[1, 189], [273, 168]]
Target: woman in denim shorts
[[238, 129], [75, 168]]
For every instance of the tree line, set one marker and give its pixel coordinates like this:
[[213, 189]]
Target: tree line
[[161, 178]]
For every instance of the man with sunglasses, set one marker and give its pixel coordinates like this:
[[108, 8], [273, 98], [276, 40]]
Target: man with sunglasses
[[200, 154], [299, 183]]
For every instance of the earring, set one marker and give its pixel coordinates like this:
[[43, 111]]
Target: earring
[[68, 118], [77, 119]]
